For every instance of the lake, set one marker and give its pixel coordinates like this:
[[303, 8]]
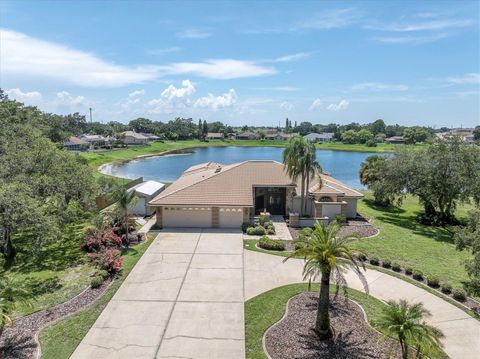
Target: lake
[[342, 165]]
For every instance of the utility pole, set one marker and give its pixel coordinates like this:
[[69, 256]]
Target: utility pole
[[90, 109]]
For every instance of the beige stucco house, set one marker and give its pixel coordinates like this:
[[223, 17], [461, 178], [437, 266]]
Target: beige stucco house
[[225, 196]]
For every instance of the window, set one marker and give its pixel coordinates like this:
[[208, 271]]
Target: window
[[325, 199]]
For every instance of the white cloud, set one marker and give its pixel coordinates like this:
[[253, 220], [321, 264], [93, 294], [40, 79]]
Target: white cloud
[[193, 34], [136, 93], [342, 105], [167, 50], [292, 57], [27, 56], [375, 86], [332, 19], [227, 99], [287, 106], [317, 103], [172, 92], [472, 78], [432, 25], [173, 98], [222, 69], [411, 39], [66, 99], [278, 88], [29, 98]]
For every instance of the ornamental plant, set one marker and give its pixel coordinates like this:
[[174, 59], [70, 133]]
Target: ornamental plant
[[108, 259], [99, 238]]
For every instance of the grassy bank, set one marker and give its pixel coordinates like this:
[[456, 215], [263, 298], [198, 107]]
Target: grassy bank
[[268, 308], [60, 340]]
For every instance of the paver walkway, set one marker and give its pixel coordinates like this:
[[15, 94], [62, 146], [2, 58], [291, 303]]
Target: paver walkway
[[183, 299], [462, 332]]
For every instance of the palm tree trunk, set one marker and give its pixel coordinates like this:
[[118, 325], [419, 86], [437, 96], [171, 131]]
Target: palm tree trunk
[[404, 348], [322, 325], [306, 193], [302, 194], [8, 249], [127, 241]]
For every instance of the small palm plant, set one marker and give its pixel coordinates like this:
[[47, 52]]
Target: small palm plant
[[12, 293], [125, 199], [327, 256], [405, 322]]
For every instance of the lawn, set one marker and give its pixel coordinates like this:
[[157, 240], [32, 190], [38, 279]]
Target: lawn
[[60, 339], [264, 310], [402, 239]]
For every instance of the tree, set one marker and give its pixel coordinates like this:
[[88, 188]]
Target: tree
[[125, 199], [141, 125], [327, 256], [377, 127], [405, 322], [413, 135], [12, 293], [293, 162], [372, 174], [363, 136], [350, 137], [200, 129], [476, 134], [205, 128], [468, 237], [310, 166]]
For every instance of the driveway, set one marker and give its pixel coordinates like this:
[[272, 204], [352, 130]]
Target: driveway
[[183, 299]]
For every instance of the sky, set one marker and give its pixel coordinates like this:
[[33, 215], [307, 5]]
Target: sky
[[246, 62]]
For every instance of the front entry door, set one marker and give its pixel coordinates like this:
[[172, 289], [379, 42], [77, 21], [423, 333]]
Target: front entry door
[[275, 203]]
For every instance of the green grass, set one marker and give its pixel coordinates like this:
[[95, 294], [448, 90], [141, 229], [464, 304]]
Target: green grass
[[402, 239], [59, 340], [264, 310]]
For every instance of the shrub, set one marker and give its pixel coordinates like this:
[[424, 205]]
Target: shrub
[[99, 238], [371, 143], [459, 294], [340, 218], [263, 219], [270, 230], [245, 227], [374, 261], [446, 288], [271, 244], [108, 259], [102, 273], [386, 263], [396, 267], [362, 257], [298, 245], [433, 281], [417, 275], [258, 230], [408, 270], [96, 281]]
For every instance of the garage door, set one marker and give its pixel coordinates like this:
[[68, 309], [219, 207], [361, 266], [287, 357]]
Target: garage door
[[230, 217], [187, 217]]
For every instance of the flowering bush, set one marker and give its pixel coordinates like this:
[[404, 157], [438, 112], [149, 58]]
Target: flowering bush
[[99, 238], [108, 259]]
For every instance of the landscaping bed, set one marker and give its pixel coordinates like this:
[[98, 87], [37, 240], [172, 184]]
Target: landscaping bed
[[294, 337], [362, 227]]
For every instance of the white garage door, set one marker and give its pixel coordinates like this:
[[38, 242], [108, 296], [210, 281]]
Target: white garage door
[[187, 217], [230, 217]]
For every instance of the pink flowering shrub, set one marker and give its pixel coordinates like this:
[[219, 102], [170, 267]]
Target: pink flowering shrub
[[99, 238], [109, 259]]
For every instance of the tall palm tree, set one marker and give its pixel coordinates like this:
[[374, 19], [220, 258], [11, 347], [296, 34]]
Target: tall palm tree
[[125, 200], [311, 166], [12, 293], [293, 162], [405, 322], [326, 256]]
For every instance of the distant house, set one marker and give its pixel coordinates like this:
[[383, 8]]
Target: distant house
[[75, 144], [464, 134], [319, 137], [248, 136], [145, 192], [151, 136], [214, 136], [395, 140], [95, 140], [278, 136], [232, 136], [134, 138]]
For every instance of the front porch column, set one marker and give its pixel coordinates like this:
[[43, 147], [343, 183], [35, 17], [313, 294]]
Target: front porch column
[[318, 209], [159, 217]]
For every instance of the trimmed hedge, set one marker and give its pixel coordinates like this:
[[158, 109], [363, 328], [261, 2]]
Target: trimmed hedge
[[271, 244], [446, 288], [433, 281], [396, 267], [374, 261], [245, 227], [96, 281], [408, 270], [459, 294], [417, 275], [386, 263], [258, 230]]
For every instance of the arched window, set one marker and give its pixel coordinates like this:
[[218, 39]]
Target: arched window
[[325, 199]]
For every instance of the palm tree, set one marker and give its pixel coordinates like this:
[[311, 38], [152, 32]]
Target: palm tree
[[310, 165], [125, 199], [293, 162], [405, 322], [12, 293], [370, 169], [327, 255]]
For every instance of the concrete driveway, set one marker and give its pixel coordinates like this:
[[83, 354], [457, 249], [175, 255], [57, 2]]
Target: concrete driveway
[[183, 299]]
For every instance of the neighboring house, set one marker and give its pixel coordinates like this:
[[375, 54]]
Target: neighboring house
[[145, 192], [319, 137], [150, 136], [134, 138], [214, 136], [464, 134], [95, 140], [278, 136], [216, 195], [395, 140], [75, 144], [232, 136], [248, 136]]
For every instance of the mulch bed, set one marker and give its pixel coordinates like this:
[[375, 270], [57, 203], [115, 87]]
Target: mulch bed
[[293, 337], [18, 341], [358, 226]]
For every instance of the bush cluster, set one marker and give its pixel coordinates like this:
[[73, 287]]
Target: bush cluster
[[408, 270], [459, 294], [417, 275], [98, 238], [103, 249], [271, 244], [374, 261], [245, 227], [108, 259], [386, 263], [96, 281], [446, 288], [433, 281], [396, 267], [258, 230]]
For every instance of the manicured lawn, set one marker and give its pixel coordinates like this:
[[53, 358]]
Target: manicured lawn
[[268, 308], [61, 339], [402, 239]]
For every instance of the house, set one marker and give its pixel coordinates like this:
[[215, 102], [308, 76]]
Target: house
[[134, 138], [278, 136], [150, 136], [248, 136], [75, 144], [319, 137], [95, 140], [464, 134], [216, 195], [145, 192], [214, 136], [395, 140]]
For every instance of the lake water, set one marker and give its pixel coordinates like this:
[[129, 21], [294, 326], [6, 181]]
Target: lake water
[[340, 164]]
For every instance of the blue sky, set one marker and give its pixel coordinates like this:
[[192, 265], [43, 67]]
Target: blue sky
[[250, 62]]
